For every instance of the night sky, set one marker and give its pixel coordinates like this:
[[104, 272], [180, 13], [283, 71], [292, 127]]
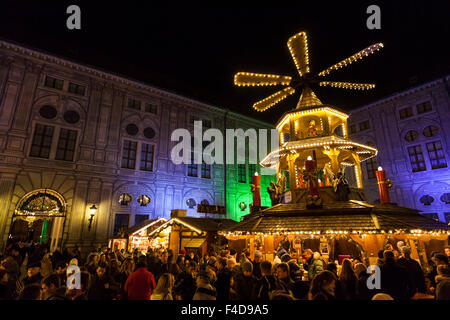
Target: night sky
[[195, 51]]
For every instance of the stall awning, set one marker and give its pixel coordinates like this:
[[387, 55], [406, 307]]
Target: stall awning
[[192, 243], [349, 217]]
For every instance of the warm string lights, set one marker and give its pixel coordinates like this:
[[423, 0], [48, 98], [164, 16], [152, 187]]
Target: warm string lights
[[347, 85], [314, 111], [331, 141], [363, 233], [260, 79], [359, 55], [358, 176], [273, 99], [298, 47]]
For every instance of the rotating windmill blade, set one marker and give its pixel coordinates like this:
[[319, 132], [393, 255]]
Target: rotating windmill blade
[[298, 47], [347, 85], [259, 79], [359, 55]]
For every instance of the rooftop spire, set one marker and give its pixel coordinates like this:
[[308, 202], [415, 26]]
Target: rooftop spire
[[308, 99]]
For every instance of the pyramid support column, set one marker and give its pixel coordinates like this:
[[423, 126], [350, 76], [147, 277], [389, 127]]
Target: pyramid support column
[[333, 154], [292, 177], [358, 173]]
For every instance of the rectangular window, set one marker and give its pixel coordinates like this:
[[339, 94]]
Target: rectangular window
[[206, 171], [121, 222], [371, 166], [416, 158], [140, 218], [424, 107], [134, 104], [436, 154], [66, 144], [406, 113], [241, 173], [51, 82], [42, 141], [129, 154], [251, 172], [192, 167], [151, 108], [352, 129], [365, 125], [77, 89], [147, 157]]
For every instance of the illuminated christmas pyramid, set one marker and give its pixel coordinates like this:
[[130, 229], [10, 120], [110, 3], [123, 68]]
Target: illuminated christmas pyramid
[[314, 144]]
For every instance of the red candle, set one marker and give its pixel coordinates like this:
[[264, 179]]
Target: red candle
[[310, 164], [256, 180], [382, 185]]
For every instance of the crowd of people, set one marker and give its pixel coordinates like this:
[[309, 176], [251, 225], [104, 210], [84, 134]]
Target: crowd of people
[[30, 272]]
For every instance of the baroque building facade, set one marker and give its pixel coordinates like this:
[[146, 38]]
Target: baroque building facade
[[73, 138], [411, 130]]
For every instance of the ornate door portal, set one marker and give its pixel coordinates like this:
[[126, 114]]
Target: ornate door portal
[[39, 217]]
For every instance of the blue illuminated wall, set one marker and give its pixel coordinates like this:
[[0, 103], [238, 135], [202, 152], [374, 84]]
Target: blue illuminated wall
[[411, 130]]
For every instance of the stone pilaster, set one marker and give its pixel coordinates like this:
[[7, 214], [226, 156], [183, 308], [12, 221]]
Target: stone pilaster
[[23, 109]]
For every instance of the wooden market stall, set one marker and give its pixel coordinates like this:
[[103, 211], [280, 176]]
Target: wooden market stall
[[190, 233], [352, 228], [137, 237]]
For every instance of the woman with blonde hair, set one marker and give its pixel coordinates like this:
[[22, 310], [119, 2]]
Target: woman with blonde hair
[[163, 290]]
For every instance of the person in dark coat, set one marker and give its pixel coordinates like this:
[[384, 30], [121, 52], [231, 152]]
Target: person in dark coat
[[394, 278], [51, 288], [245, 282], [185, 286], [338, 291], [162, 266], [416, 277], [257, 264], [362, 291], [6, 292], [33, 274], [268, 284], [223, 281], [99, 289]]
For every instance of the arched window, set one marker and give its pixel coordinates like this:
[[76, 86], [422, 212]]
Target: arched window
[[143, 200], [48, 112], [426, 200], [125, 199], [411, 135], [132, 129], [430, 131], [71, 116], [191, 203]]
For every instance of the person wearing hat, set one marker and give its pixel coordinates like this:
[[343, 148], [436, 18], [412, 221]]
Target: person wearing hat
[[257, 264], [416, 278], [245, 282], [33, 274]]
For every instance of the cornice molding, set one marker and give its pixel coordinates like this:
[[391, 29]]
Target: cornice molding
[[48, 58], [404, 93]]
